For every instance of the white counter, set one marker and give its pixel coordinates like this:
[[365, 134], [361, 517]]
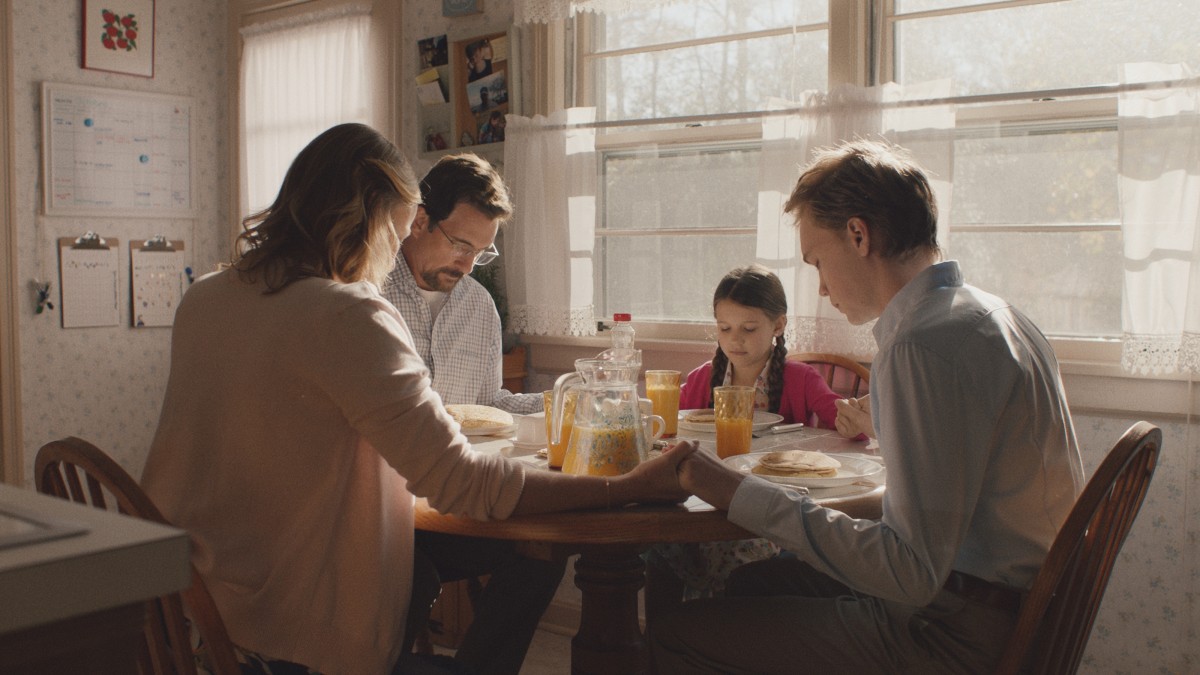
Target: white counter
[[116, 561]]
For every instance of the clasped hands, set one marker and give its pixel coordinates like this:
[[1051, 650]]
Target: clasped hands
[[854, 417]]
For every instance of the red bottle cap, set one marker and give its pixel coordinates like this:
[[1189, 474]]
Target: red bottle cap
[[622, 317]]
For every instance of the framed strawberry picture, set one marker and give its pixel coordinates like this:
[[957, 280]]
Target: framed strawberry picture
[[118, 36]]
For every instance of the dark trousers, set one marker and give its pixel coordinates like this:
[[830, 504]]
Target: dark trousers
[[506, 612], [782, 616]]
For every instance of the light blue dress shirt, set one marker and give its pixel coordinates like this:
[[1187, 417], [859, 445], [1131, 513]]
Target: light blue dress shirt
[[982, 461]]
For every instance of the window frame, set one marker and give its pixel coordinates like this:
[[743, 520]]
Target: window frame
[[853, 28]]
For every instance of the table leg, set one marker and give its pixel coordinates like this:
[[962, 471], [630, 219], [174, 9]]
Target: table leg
[[609, 641]]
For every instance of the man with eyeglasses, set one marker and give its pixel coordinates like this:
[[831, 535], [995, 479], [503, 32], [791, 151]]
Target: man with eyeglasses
[[456, 330], [453, 319]]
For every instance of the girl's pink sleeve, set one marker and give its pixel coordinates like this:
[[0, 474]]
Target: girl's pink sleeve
[[821, 399], [693, 392], [817, 396]]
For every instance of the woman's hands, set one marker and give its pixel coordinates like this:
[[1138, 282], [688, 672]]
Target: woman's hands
[[854, 417], [706, 476], [655, 480]]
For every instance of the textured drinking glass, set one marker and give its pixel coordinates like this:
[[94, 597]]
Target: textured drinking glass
[[662, 387], [555, 452], [734, 408]]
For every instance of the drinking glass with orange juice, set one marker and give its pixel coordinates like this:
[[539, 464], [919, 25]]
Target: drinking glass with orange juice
[[662, 388], [556, 452], [734, 411]]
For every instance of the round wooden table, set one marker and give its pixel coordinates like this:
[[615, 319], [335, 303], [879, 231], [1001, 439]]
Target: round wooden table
[[610, 570]]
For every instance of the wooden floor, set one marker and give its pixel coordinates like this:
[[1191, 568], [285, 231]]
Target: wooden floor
[[549, 654]]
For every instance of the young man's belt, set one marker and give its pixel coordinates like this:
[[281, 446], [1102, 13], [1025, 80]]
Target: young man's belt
[[986, 592]]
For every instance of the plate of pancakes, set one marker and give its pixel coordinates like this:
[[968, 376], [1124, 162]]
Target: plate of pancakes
[[704, 420], [806, 468], [482, 420]]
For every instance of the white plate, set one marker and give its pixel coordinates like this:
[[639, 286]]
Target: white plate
[[852, 469], [506, 430], [762, 420]]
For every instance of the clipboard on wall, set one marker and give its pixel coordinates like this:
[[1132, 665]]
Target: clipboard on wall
[[156, 278], [88, 277]]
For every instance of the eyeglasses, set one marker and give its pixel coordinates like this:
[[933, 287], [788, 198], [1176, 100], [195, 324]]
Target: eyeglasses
[[480, 256]]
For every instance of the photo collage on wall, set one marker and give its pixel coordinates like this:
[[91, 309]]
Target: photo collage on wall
[[483, 76]]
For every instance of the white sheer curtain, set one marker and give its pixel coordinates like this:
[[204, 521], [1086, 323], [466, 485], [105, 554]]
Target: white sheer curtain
[[550, 167], [1159, 136], [821, 120], [300, 76]]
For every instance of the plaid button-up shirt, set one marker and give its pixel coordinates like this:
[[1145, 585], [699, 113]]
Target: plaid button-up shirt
[[463, 347]]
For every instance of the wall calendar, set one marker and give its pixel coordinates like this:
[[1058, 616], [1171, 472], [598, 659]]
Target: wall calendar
[[115, 152]]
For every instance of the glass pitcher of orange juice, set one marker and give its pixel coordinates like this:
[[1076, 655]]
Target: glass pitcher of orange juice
[[587, 371], [609, 435]]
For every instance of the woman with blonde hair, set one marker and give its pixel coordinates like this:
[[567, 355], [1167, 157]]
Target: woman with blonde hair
[[298, 425]]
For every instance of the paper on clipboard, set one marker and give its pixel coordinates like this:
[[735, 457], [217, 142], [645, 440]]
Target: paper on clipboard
[[88, 278], [157, 280]]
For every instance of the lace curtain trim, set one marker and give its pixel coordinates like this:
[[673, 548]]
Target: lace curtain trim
[[298, 21], [812, 334], [1161, 355], [548, 11], [576, 322]]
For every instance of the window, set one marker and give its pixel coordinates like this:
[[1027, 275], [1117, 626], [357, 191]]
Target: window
[[1035, 211], [300, 75], [686, 191], [705, 58]]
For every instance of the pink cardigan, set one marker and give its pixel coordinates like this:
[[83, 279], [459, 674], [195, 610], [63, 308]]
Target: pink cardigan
[[804, 393], [295, 431]]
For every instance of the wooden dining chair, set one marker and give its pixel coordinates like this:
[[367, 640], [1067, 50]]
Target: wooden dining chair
[[1056, 619], [842, 374], [74, 469]]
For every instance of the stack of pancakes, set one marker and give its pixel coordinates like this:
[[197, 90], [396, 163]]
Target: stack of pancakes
[[479, 418], [797, 464], [701, 417]]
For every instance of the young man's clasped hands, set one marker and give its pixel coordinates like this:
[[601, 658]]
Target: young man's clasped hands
[[854, 416]]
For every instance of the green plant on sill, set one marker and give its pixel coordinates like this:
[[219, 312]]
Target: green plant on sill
[[488, 276]]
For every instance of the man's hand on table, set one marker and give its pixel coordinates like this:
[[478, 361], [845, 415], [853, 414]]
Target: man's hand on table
[[706, 476]]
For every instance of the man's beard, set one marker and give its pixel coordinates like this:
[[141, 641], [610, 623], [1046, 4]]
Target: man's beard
[[437, 282]]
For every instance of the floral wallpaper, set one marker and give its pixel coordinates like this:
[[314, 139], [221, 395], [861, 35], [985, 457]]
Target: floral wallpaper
[[106, 384], [1147, 622]]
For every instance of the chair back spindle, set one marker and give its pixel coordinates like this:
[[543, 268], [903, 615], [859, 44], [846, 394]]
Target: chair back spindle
[[842, 374], [74, 469], [1056, 618]]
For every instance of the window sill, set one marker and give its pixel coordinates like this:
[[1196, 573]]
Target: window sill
[[1094, 386]]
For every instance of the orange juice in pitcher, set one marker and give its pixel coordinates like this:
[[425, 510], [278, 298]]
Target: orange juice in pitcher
[[602, 452]]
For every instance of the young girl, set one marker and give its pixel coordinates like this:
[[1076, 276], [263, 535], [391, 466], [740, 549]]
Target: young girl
[[750, 307], [751, 312]]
